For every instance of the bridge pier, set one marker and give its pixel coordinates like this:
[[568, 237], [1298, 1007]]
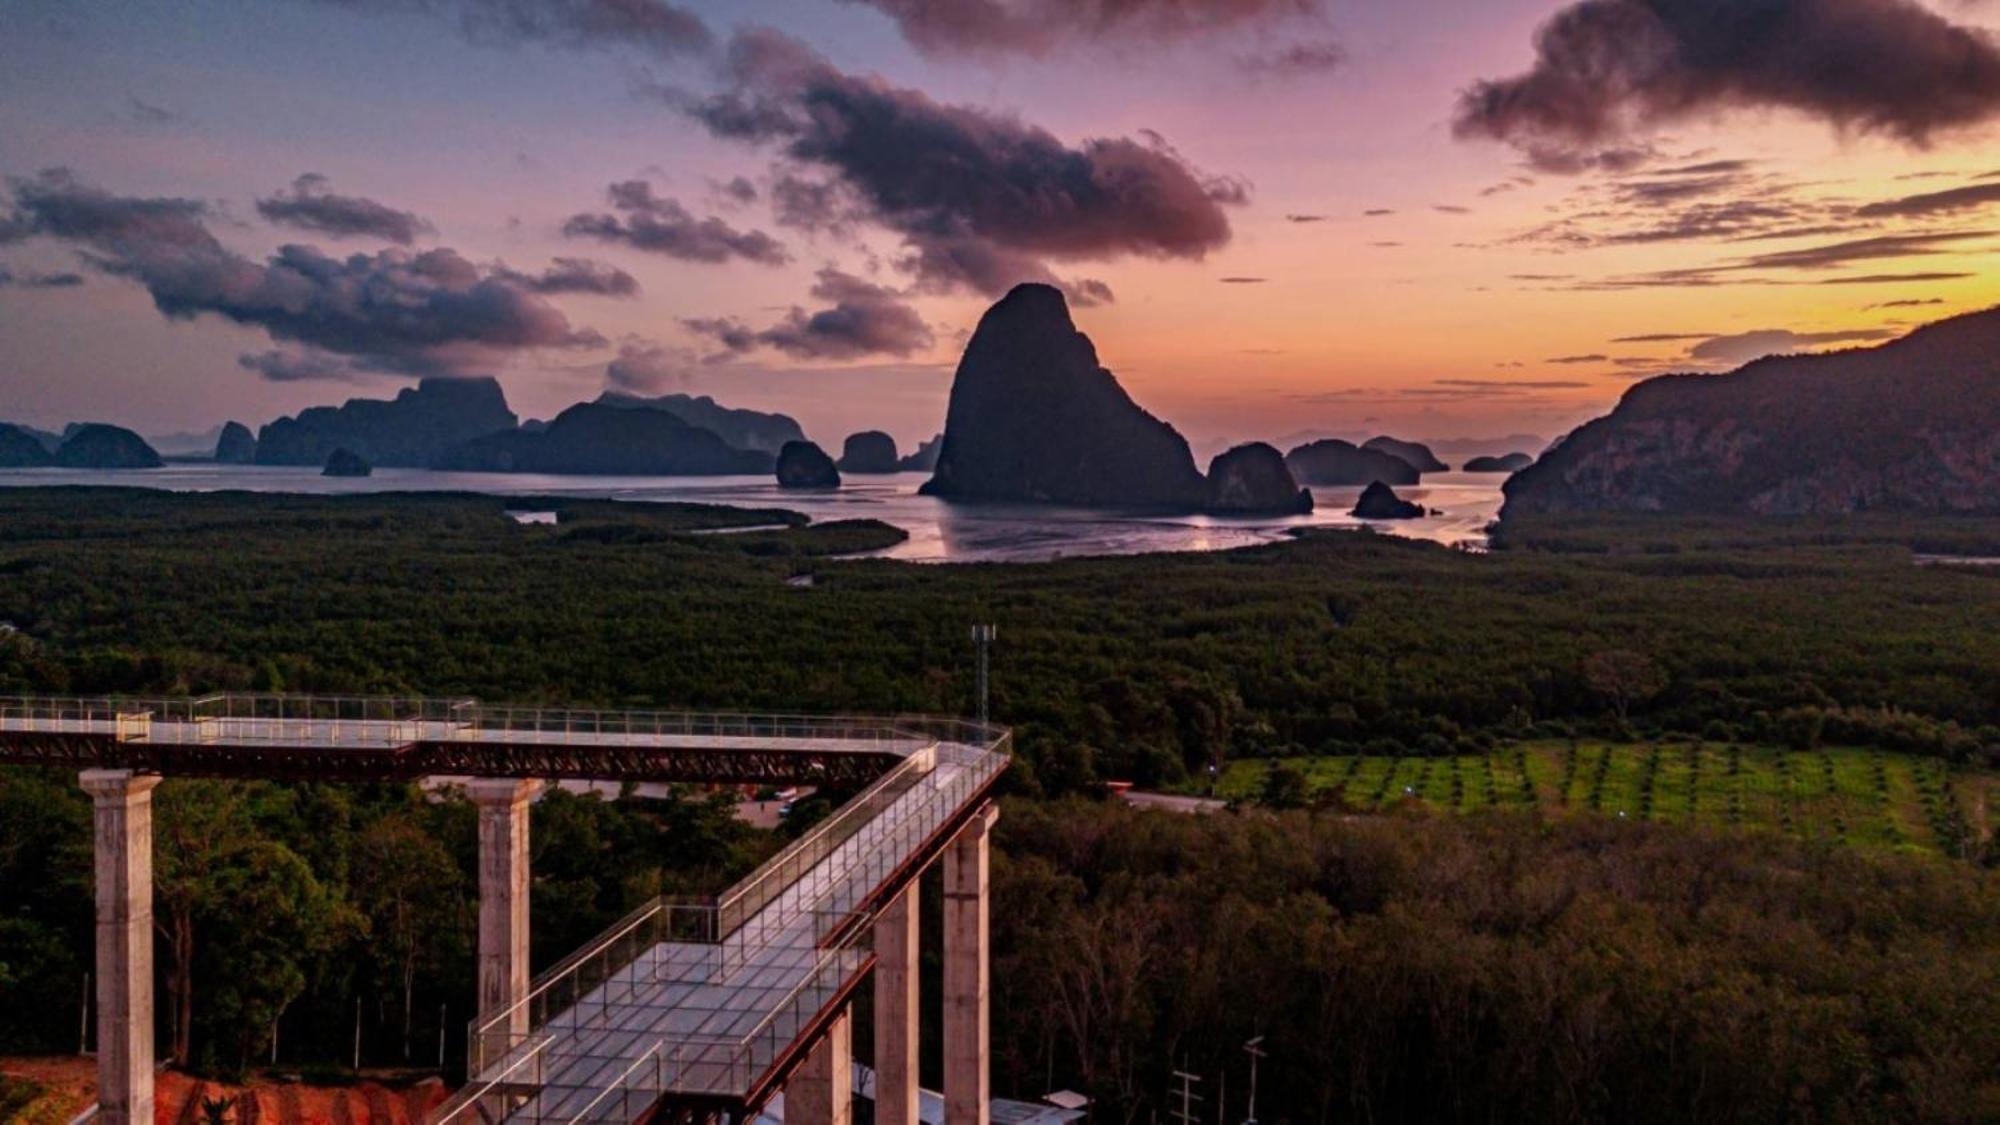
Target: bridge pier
[[821, 1090], [896, 1021], [503, 901], [967, 1053], [123, 845]]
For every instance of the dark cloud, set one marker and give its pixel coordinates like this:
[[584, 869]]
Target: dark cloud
[[1299, 60], [1450, 209], [1890, 278], [146, 113], [1570, 359], [11, 280], [1933, 203], [411, 313], [816, 206], [1662, 337], [576, 275], [649, 222], [1037, 27], [1910, 303], [1706, 168], [981, 200], [863, 319], [308, 205], [1242, 280], [654, 27], [1517, 384], [1606, 71], [1742, 347], [647, 367], [290, 365], [740, 189], [1861, 250], [1305, 218], [1674, 189]]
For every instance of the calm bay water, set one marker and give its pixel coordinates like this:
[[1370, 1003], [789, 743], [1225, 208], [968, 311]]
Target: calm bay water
[[939, 532]]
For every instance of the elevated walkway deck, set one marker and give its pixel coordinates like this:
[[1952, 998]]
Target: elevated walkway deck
[[326, 738], [698, 1008], [708, 1005]]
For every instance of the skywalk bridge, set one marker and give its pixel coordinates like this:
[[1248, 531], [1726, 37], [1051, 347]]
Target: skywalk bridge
[[683, 1011]]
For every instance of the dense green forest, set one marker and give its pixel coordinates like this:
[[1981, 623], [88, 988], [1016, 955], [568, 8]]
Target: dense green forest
[[1530, 959], [1149, 668]]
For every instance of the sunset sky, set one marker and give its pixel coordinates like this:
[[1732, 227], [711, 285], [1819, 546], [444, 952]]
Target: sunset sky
[[1273, 216]]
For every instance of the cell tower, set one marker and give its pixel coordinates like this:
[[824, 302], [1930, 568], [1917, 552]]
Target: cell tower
[[982, 644]]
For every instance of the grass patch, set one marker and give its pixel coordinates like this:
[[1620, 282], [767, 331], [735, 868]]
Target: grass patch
[[1839, 795]]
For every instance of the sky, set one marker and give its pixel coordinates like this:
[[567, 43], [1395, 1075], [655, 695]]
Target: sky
[[1433, 218]]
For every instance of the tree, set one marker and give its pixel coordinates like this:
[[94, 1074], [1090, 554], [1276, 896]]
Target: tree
[[407, 887], [1624, 677], [1284, 786], [243, 907]]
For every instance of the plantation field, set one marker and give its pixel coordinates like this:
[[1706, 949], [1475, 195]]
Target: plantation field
[[1869, 798]]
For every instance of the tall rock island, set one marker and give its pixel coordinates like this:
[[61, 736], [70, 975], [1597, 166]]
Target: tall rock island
[[411, 430], [1034, 418], [1911, 426]]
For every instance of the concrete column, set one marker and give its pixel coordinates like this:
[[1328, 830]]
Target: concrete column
[[124, 881], [821, 1090], [896, 1010], [967, 1053], [503, 899]]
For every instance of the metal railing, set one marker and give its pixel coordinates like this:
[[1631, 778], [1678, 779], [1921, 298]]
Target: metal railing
[[235, 717], [750, 895], [489, 720], [634, 994], [311, 721], [565, 984]]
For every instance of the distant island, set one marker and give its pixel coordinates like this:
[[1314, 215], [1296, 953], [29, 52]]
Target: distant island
[[1506, 463], [595, 438], [744, 429], [1337, 463], [343, 463], [411, 430], [95, 445], [1911, 426], [1416, 455]]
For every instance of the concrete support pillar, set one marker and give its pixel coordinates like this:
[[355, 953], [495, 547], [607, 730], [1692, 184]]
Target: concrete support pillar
[[896, 1011], [967, 1053], [821, 1090], [124, 890], [503, 900]]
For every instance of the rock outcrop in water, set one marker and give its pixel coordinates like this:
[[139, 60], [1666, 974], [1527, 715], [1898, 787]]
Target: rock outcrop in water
[[1507, 463], [870, 451], [345, 463], [1253, 480], [1336, 463], [1911, 426], [744, 429], [1380, 502], [801, 464], [924, 459], [592, 439], [20, 449], [1415, 454], [94, 445], [413, 430], [1034, 418], [235, 445]]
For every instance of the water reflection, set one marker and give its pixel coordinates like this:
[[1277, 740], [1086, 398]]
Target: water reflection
[[939, 532]]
